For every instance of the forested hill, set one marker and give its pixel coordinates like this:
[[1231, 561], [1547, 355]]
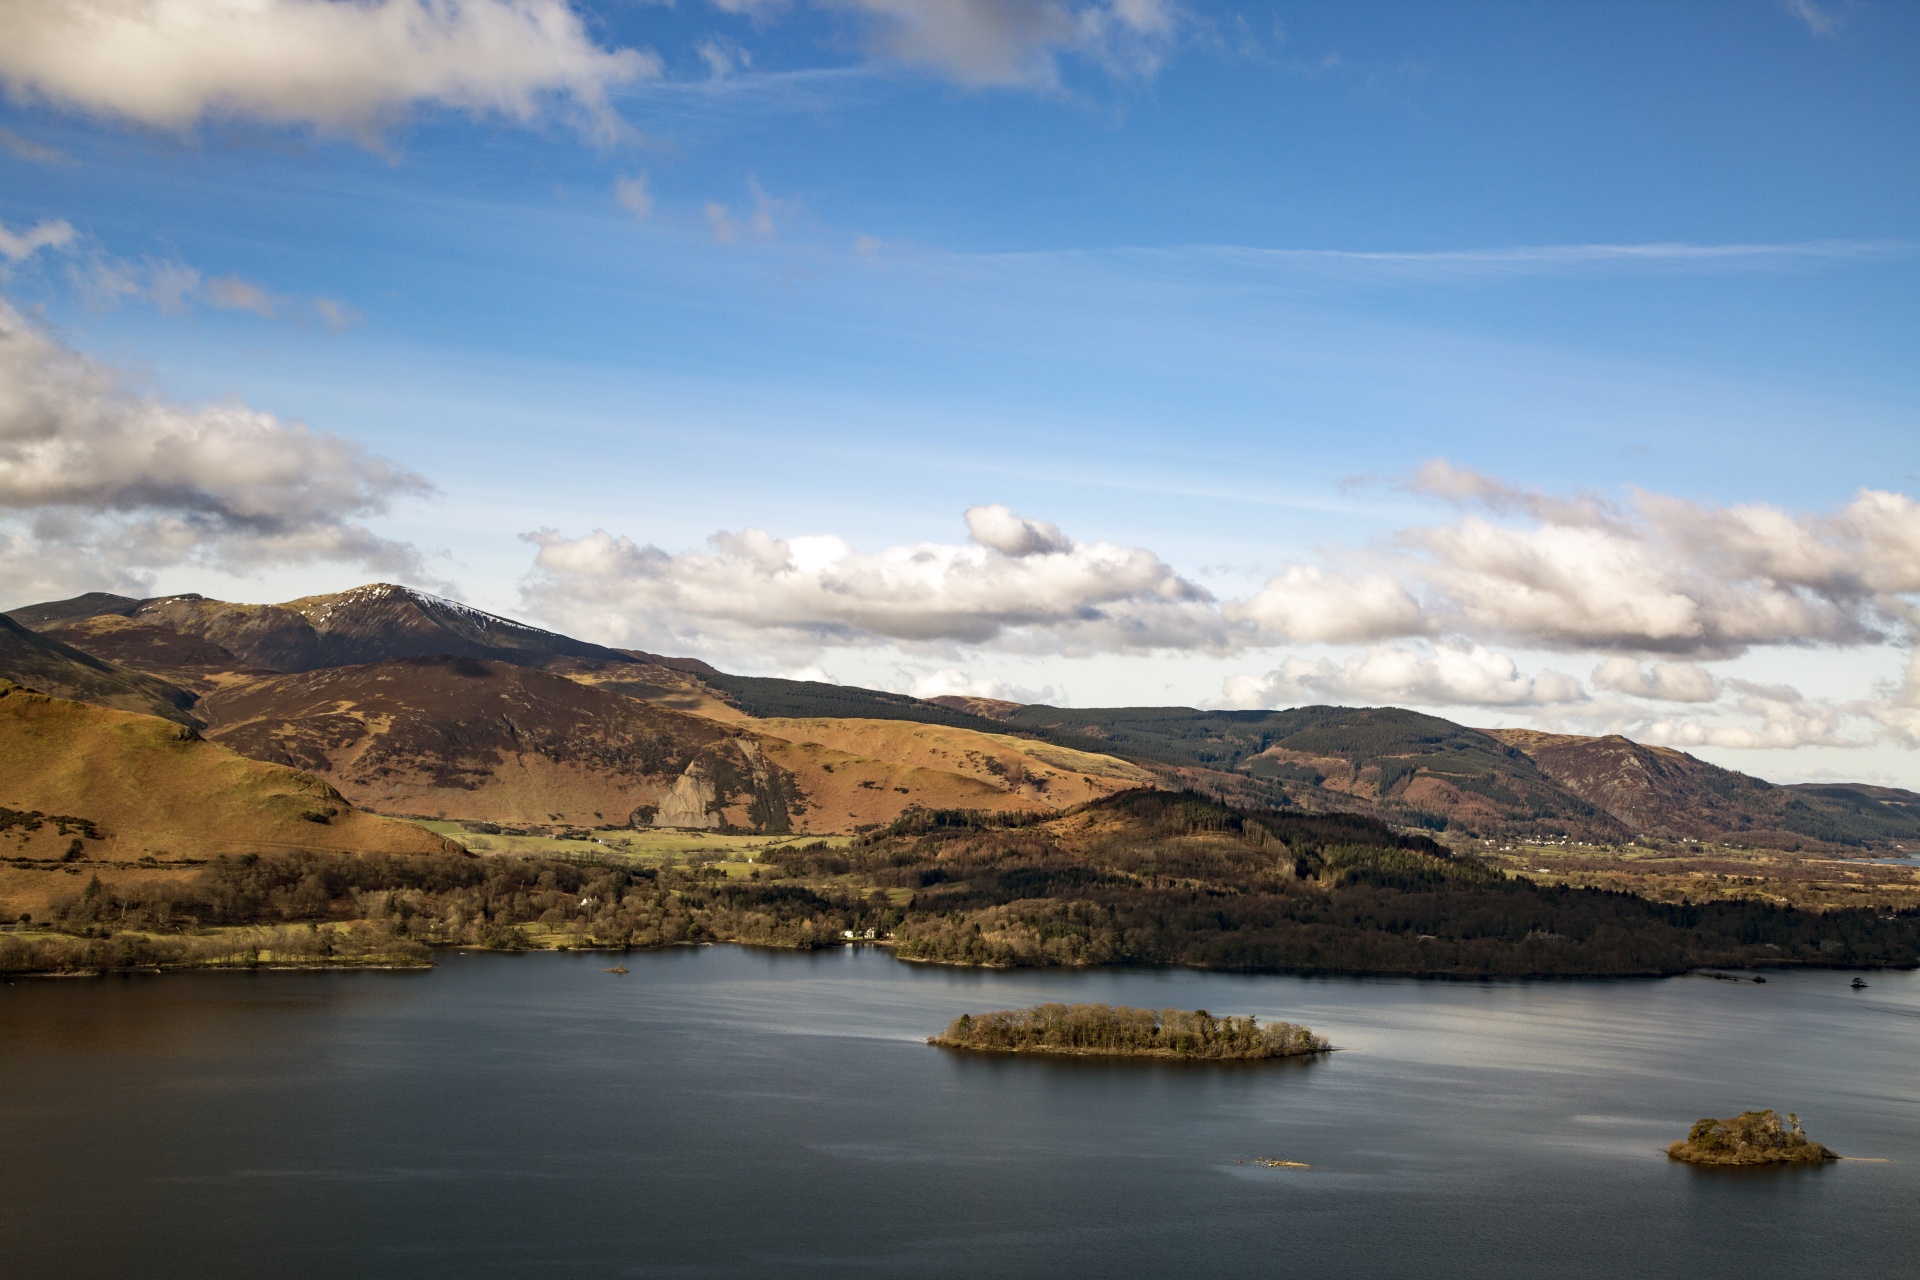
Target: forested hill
[[1167, 878]]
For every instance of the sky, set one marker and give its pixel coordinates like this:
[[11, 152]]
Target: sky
[[1547, 366]]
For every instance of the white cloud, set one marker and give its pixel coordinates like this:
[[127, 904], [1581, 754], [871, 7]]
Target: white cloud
[[1662, 681], [1657, 575], [997, 527], [1897, 710], [750, 589], [1786, 718], [1438, 677], [987, 43], [723, 57], [951, 681], [18, 245], [93, 473], [1305, 604], [632, 195], [342, 66]]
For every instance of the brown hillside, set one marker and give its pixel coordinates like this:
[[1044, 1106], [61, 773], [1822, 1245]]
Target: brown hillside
[[989, 708], [1662, 792], [156, 650], [473, 739], [366, 624], [47, 664], [141, 794], [1050, 777], [467, 738]]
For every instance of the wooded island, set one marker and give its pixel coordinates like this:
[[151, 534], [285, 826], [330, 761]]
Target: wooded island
[[1119, 1031], [1750, 1138]]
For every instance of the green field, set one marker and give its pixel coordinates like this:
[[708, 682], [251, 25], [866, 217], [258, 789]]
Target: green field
[[736, 855]]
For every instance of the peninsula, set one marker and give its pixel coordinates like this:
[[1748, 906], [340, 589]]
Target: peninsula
[[1750, 1138], [1099, 1030]]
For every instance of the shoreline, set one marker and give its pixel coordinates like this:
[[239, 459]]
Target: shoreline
[[389, 962]]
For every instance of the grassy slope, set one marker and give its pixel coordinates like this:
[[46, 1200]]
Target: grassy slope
[[155, 790]]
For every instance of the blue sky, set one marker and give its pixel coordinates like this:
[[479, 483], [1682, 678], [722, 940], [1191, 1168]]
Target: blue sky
[[1202, 283]]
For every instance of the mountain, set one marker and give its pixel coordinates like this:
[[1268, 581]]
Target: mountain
[[1414, 769], [54, 667], [465, 737], [1662, 792], [847, 757], [130, 797], [473, 738], [92, 604], [367, 624]]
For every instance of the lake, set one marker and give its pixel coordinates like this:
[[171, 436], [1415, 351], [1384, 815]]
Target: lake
[[720, 1111]]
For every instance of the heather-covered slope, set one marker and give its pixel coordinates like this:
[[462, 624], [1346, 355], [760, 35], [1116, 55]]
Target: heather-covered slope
[[466, 737], [54, 667], [1662, 792], [476, 739], [371, 623]]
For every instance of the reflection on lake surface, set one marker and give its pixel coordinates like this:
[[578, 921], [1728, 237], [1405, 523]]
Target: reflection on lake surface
[[725, 1112]]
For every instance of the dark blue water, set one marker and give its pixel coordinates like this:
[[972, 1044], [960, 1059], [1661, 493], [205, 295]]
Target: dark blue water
[[724, 1112]]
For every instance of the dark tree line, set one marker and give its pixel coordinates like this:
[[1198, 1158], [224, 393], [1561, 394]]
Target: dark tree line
[[1140, 878]]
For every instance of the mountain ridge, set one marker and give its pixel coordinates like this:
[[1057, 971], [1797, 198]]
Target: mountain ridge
[[1414, 770]]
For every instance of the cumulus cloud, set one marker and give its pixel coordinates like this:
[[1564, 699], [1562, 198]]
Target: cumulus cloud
[[1438, 677], [16, 246], [1661, 681], [1654, 575], [1306, 604], [1048, 593], [1018, 43], [342, 66], [96, 476], [997, 527]]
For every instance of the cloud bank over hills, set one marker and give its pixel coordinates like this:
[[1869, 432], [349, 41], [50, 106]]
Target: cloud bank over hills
[[1632, 585]]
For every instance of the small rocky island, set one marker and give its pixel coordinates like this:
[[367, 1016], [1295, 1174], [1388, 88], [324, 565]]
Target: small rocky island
[[1750, 1138], [1118, 1031]]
